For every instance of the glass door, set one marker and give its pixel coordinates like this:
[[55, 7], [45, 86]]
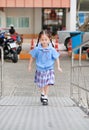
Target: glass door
[[52, 19]]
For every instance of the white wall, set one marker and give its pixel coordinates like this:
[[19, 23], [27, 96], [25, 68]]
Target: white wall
[[3, 17], [34, 19], [38, 20], [67, 19], [73, 15]]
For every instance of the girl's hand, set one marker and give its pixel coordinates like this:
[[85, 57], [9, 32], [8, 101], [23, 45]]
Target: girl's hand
[[60, 69]]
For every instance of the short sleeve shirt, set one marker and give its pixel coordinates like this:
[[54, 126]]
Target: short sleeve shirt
[[45, 57]]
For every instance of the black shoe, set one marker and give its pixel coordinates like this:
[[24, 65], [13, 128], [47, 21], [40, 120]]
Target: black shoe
[[41, 98], [45, 101]]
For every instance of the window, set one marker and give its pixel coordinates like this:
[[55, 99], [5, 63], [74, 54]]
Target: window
[[18, 22], [11, 20], [23, 22], [52, 19]]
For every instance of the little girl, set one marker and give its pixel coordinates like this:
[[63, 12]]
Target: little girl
[[45, 56]]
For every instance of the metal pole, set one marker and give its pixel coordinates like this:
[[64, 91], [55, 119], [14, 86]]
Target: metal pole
[[71, 76], [1, 70], [79, 69], [80, 54]]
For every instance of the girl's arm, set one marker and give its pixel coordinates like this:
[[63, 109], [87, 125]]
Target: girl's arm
[[30, 63], [58, 64]]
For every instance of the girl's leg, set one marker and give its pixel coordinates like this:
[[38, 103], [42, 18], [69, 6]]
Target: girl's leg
[[46, 90], [42, 91]]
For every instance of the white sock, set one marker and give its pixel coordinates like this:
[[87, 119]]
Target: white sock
[[46, 97]]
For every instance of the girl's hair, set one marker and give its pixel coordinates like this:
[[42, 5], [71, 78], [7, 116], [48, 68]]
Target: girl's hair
[[46, 33]]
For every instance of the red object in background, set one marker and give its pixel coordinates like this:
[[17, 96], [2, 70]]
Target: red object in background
[[53, 14], [70, 45], [32, 44], [14, 37], [88, 50], [56, 45]]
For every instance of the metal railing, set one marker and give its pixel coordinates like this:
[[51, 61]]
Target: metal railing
[[79, 83], [1, 71]]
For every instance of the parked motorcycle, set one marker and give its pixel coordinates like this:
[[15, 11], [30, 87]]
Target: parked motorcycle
[[10, 48], [18, 39]]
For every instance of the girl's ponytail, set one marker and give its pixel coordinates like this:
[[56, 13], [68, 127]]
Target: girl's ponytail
[[51, 42], [39, 36], [37, 43]]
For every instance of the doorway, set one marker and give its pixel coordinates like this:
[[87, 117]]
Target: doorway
[[53, 19]]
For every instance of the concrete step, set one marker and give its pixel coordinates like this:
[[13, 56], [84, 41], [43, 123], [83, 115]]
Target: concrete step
[[27, 113]]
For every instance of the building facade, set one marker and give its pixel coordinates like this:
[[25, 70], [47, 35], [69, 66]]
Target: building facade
[[31, 16]]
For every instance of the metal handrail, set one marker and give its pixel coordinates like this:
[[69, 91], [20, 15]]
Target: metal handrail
[[2, 61], [81, 45], [80, 52], [78, 69]]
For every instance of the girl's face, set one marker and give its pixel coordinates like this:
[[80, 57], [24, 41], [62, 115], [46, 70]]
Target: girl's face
[[44, 40]]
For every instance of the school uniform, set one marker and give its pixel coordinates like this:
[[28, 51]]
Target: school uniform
[[45, 58]]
